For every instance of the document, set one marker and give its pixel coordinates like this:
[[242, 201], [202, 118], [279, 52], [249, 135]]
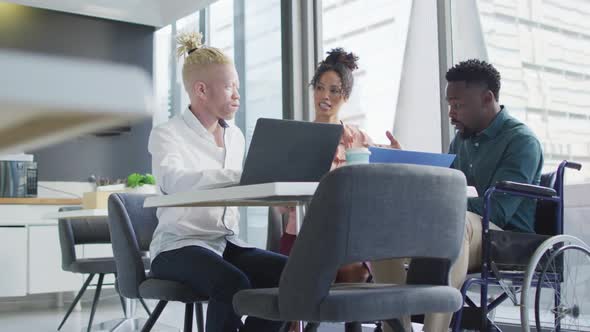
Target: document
[[383, 155]]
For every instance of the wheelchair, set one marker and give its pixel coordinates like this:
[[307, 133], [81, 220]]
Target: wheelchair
[[546, 274]]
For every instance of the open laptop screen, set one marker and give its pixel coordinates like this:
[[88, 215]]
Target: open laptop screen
[[290, 151]]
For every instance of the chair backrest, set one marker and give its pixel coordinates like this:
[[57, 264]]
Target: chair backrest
[[546, 211], [79, 231], [132, 227], [367, 213]]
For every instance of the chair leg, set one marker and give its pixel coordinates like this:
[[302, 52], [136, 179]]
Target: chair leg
[[458, 315], [78, 296], [311, 327], [120, 297], [145, 306], [378, 327], [95, 301], [154, 316], [396, 325], [484, 305], [123, 305], [353, 327], [199, 314], [188, 317]]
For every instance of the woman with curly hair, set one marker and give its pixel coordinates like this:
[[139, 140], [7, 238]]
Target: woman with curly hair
[[332, 85]]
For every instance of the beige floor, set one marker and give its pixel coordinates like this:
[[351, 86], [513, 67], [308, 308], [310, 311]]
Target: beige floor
[[47, 320]]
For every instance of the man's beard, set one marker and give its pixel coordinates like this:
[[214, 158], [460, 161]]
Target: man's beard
[[467, 133]]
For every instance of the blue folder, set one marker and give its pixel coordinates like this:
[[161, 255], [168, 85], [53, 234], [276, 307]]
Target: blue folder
[[382, 155]]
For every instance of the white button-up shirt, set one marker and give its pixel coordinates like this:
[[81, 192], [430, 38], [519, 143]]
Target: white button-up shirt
[[185, 157]]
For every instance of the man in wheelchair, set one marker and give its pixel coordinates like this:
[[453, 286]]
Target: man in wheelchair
[[491, 147]]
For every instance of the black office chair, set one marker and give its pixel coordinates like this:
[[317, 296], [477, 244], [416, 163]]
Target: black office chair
[[132, 227], [80, 231]]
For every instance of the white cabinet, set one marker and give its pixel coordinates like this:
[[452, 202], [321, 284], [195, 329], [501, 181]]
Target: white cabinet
[[30, 253], [98, 250], [13, 261], [45, 272]]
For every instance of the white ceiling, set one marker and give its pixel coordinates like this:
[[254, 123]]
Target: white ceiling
[[156, 13]]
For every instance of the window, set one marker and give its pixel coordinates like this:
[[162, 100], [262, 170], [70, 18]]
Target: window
[[234, 26], [541, 50], [257, 52], [256, 48], [162, 74], [263, 62], [170, 96], [377, 35], [221, 26]]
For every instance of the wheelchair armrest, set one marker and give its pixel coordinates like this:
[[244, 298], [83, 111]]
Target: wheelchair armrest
[[526, 188], [573, 165]]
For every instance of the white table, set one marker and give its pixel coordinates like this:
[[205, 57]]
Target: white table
[[296, 194], [86, 214], [266, 194]]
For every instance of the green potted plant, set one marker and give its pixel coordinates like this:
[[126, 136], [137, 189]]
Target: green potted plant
[[141, 183]]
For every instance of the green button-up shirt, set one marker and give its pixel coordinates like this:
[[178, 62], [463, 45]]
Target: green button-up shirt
[[505, 151]]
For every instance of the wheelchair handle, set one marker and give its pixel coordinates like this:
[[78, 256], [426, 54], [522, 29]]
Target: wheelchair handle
[[572, 165]]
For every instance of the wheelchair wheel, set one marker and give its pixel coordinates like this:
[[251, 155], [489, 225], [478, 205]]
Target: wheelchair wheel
[[557, 286]]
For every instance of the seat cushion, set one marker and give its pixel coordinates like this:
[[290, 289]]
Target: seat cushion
[[94, 265], [362, 302], [98, 265], [261, 302], [167, 290], [356, 302]]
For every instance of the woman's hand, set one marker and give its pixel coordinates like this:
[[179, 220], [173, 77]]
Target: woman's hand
[[393, 143], [347, 137]]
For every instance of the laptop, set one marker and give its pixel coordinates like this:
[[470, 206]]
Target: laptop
[[288, 151]]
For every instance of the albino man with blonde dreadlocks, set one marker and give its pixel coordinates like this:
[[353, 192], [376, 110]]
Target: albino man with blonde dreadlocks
[[199, 246]]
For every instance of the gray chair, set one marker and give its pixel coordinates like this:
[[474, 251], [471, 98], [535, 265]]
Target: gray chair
[[80, 231], [132, 227], [368, 213]]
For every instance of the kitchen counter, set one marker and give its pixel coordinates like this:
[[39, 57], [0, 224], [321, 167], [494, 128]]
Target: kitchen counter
[[40, 201]]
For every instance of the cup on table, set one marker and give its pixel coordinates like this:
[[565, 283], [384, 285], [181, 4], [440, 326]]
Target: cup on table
[[355, 156]]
